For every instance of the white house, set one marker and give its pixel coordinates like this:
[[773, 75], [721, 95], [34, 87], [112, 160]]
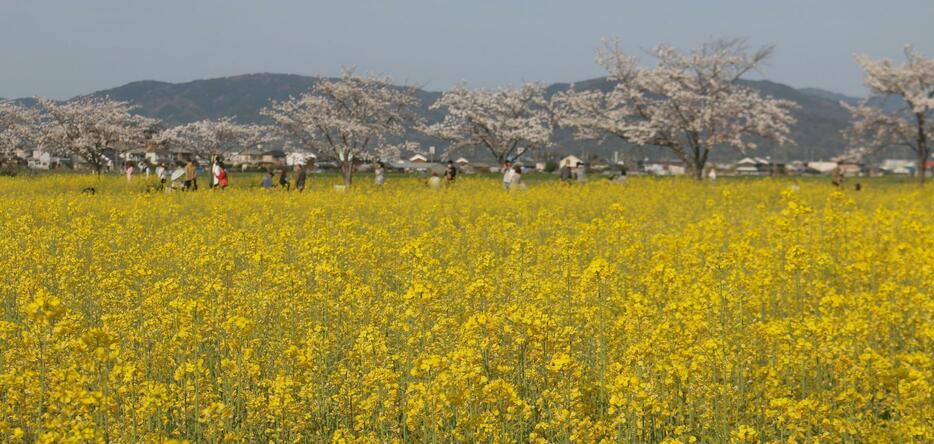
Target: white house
[[133, 155], [247, 158], [822, 167], [293, 158], [677, 170], [157, 156], [795, 167], [570, 161], [897, 166], [664, 167], [751, 166], [273, 158], [40, 160]]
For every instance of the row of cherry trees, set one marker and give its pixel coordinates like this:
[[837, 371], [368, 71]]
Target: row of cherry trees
[[687, 102], [91, 128]]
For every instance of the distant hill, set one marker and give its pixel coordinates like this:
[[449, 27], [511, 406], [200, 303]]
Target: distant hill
[[241, 97], [830, 95], [820, 116]]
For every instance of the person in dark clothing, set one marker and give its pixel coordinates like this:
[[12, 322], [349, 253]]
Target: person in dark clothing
[[565, 172], [450, 173], [299, 178], [284, 180]]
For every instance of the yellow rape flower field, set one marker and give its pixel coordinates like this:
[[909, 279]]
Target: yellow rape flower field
[[650, 311]]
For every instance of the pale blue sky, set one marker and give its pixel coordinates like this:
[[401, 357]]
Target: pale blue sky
[[60, 48]]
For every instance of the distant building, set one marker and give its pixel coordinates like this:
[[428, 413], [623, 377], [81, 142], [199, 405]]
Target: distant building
[[418, 158], [157, 154], [664, 167], [247, 159], [821, 167], [40, 160], [135, 156], [758, 166], [181, 155], [299, 158], [462, 162], [273, 158], [750, 166], [795, 167], [570, 161], [850, 168], [412, 166], [898, 166]]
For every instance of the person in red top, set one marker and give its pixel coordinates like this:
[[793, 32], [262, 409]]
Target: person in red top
[[222, 180]]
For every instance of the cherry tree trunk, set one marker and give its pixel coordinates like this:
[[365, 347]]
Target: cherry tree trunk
[[923, 149], [697, 169], [347, 172], [922, 163]]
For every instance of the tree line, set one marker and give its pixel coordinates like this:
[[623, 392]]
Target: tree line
[[687, 102]]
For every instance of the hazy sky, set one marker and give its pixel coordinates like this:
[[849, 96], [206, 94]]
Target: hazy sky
[[61, 48]]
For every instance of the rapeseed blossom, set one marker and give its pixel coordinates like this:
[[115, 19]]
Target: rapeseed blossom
[[648, 311]]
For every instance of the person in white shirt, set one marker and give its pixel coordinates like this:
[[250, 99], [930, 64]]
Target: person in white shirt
[[215, 172], [434, 182], [379, 174], [162, 174], [515, 182], [581, 172], [508, 174]]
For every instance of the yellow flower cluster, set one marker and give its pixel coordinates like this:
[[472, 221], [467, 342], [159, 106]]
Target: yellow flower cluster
[[648, 311]]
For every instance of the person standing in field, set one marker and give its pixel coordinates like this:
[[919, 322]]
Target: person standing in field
[[222, 179], [129, 171], [299, 178], [450, 173], [267, 180], [144, 167], [581, 171], [620, 176], [507, 175], [215, 171], [434, 182], [836, 175], [284, 180], [712, 175], [516, 181], [565, 172], [161, 174], [191, 176], [379, 174]]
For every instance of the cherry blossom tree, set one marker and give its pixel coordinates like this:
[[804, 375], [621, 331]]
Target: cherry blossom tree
[[351, 118], [18, 127], [909, 125], [508, 122], [89, 126], [592, 114], [689, 102], [209, 139]]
